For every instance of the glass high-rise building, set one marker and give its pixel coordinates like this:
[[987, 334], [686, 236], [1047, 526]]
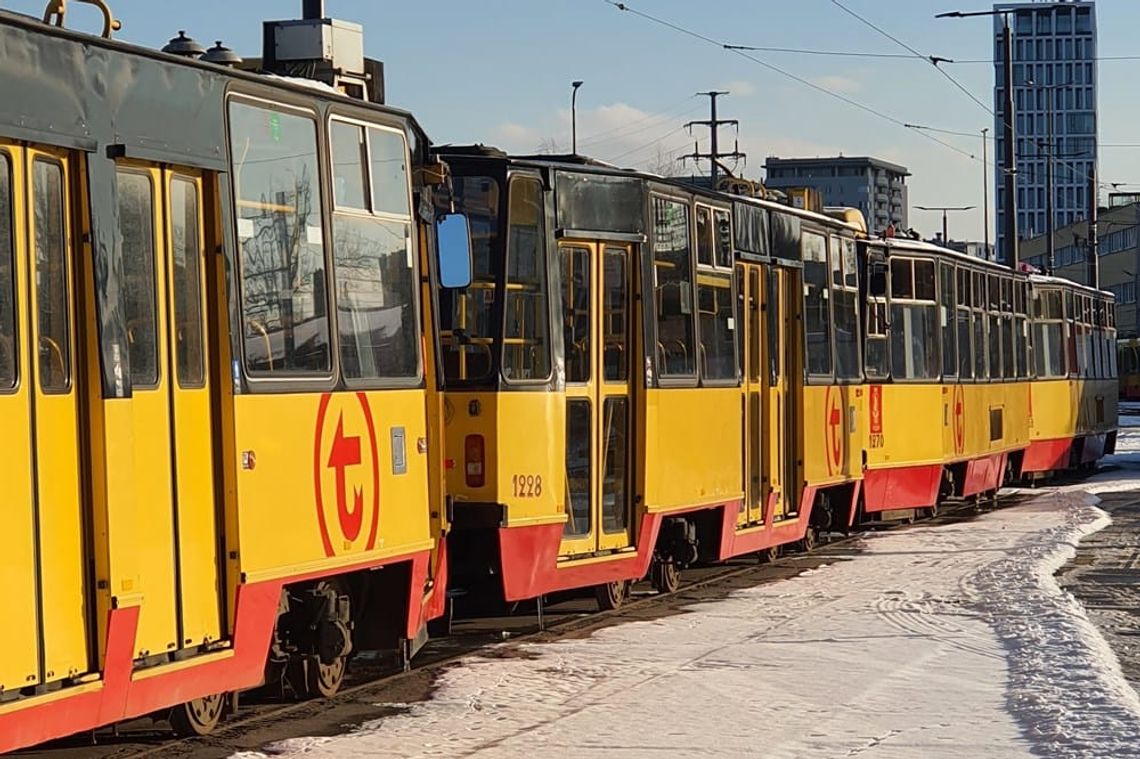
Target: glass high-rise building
[[1055, 95]]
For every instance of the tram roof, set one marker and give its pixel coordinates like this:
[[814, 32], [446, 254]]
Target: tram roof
[[588, 165], [58, 72]]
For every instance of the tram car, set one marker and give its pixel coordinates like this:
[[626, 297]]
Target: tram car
[[624, 384], [222, 458], [644, 375]]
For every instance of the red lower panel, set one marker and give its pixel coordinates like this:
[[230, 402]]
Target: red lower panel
[[529, 556], [733, 543], [984, 474], [123, 696], [907, 487], [1046, 455]]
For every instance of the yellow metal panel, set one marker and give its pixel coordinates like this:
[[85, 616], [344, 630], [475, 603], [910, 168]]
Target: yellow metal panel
[[64, 602], [828, 412], [19, 636], [692, 447], [307, 460], [912, 426]]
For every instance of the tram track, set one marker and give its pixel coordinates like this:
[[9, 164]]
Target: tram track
[[374, 687]]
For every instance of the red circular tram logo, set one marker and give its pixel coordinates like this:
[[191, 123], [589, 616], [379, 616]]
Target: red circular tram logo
[[346, 474], [833, 428], [959, 410]]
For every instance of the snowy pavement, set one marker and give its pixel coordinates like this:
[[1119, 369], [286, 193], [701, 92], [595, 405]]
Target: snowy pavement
[[941, 641]]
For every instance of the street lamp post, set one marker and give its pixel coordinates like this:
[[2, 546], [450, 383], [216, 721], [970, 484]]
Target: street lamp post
[[574, 115], [945, 224], [1009, 159]]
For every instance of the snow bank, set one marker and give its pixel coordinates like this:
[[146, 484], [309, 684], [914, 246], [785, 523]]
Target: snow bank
[[944, 641]]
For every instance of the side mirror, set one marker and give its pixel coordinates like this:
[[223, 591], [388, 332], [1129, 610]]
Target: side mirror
[[453, 246]]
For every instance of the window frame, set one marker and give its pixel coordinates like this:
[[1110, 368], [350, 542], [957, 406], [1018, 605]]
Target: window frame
[[810, 377], [835, 259], [194, 181], [913, 257], [325, 157], [715, 271], [544, 245], [671, 380], [9, 172], [69, 285], [145, 172], [258, 382]]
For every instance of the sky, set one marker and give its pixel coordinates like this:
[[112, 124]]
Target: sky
[[499, 72]]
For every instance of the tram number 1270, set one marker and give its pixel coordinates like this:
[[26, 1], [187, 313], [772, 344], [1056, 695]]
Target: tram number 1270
[[526, 485]]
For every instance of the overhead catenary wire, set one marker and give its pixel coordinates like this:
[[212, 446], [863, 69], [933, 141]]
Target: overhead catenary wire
[[623, 131], [782, 72], [934, 61], [931, 59]]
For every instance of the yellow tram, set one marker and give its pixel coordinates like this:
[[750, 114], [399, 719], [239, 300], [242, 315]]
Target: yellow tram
[[223, 460], [279, 378]]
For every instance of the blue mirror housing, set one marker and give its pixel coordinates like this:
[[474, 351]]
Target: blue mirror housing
[[453, 245]]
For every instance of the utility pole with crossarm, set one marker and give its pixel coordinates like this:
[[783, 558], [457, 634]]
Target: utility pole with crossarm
[[714, 124]]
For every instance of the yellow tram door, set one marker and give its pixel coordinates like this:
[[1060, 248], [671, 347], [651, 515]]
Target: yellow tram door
[[161, 224], [43, 554], [598, 345], [781, 287], [751, 357]]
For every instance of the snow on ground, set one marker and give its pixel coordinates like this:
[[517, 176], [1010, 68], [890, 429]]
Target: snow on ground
[[941, 641]]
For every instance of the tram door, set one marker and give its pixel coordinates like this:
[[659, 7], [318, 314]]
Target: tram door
[[781, 322], [45, 634], [161, 223], [749, 316], [598, 349]]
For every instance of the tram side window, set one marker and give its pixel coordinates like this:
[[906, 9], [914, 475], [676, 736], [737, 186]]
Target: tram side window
[[136, 228], [187, 251], [526, 345], [845, 292], [722, 224], [946, 318], [978, 318], [817, 311], [1009, 365], [704, 236], [993, 324], [714, 296], [1049, 326], [674, 288], [1070, 334], [914, 320], [278, 195], [575, 261], [1021, 329], [9, 365], [876, 349], [467, 324], [53, 313], [374, 262], [962, 301]]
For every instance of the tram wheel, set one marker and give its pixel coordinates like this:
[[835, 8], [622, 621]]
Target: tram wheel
[[612, 594], [197, 717], [310, 678], [665, 576], [809, 540], [769, 554]]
